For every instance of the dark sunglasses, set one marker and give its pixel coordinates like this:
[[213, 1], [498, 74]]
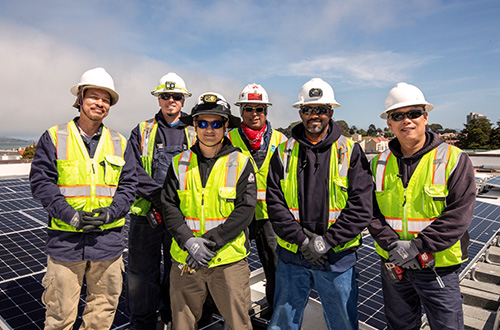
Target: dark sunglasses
[[412, 114], [321, 110], [256, 109], [203, 124], [176, 97]]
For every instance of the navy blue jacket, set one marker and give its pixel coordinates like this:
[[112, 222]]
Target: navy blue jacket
[[76, 246]]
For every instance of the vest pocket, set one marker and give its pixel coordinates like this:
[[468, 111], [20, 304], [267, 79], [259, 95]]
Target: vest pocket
[[227, 196], [340, 190], [112, 169], [68, 172], [434, 200]]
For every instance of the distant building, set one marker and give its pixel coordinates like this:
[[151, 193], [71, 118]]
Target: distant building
[[11, 155], [474, 115], [357, 137], [378, 144]]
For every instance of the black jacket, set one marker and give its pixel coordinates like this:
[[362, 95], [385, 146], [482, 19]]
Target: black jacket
[[453, 222], [313, 193], [238, 220]]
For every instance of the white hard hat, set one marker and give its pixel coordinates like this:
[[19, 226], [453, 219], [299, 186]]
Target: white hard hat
[[171, 83], [404, 95], [253, 93], [96, 78], [316, 91]]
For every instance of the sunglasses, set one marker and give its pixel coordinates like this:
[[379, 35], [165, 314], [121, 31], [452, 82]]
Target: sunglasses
[[259, 109], [166, 96], [412, 114], [321, 110], [203, 124]]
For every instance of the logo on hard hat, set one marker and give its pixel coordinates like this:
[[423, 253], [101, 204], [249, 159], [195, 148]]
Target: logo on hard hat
[[209, 98], [169, 85], [254, 97], [315, 92]]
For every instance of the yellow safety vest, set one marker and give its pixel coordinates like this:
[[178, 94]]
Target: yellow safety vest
[[148, 130], [87, 183], [410, 210], [260, 173], [205, 208], [338, 184]]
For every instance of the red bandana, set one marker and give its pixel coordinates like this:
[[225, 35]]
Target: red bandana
[[254, 137]]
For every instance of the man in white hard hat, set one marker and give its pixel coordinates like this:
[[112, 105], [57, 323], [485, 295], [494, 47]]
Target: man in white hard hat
[[258, 140], [85, 179], [319, 198], [208, 201], [154, 143], [425, 196]]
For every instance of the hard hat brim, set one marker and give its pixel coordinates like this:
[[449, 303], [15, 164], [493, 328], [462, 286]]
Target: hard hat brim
[[234, 122], [427, 107], [240, 103], [114, 95], [301, 103]]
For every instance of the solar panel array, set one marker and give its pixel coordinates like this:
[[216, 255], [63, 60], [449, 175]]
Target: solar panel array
[[23, 261], [495, 181]]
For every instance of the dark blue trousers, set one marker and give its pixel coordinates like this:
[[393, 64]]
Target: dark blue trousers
[[147, 285], [443, 306]]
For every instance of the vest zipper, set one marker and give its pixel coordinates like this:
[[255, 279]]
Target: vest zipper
[[404, 221]]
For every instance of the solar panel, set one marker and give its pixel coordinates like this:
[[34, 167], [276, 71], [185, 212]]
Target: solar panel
[[23, 261], [495, 181]]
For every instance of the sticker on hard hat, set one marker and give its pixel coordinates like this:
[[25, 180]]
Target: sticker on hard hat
[[315, 92], [169, 85], [254, 97], [209, 98]]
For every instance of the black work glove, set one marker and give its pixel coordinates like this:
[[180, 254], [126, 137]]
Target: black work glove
[[192, 263], [315, 248], [403, 254], [85, 221], [103, 215], [200, 249]]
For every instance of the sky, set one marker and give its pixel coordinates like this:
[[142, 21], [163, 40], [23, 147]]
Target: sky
[[362, 48]]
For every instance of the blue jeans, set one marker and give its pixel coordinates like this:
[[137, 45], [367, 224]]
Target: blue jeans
[[147, 289], [338, 293]]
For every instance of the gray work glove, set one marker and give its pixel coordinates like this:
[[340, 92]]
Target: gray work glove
[[103, 215], [403, 254], [85, 221], [200, 249], [315, 248], [192, 263]]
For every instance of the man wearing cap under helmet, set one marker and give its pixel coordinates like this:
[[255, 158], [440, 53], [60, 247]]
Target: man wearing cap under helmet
[[85, 179], [208, 201], [154, 143], [319, 198], [258, 140], [425, 196]]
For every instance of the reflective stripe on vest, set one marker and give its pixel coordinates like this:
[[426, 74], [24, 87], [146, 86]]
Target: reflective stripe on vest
[[410, 210], [87, 183], [338, 184], [262, 172]]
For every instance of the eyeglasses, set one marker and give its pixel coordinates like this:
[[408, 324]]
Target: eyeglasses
[[320, 110], [412, 114], [259, 109], [203, 124], [166, 96]]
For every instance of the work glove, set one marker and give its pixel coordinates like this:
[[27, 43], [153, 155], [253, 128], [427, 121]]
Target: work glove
[[192, 263], [85, 221], [315, 248], [403, 254], [199, 249], [103, 215]]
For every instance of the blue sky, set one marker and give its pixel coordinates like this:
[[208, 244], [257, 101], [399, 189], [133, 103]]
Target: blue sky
[[449, 49]]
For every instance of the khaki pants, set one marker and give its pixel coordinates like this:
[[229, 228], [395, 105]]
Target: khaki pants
[[230, 289], [63, 283]]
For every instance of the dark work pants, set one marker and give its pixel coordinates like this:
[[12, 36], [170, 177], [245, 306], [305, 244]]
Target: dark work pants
[[443, 306], [147, 289], [266, 242]]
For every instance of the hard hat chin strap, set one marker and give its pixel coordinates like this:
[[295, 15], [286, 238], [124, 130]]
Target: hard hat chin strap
[[213, 145]]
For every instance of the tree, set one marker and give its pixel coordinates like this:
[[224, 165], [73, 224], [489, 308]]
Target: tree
[[288, 131], [436, 128], [476, 134], [495, 137], [29, 152], [372, 130], [344, 128], [353, 130], [388, 133]]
